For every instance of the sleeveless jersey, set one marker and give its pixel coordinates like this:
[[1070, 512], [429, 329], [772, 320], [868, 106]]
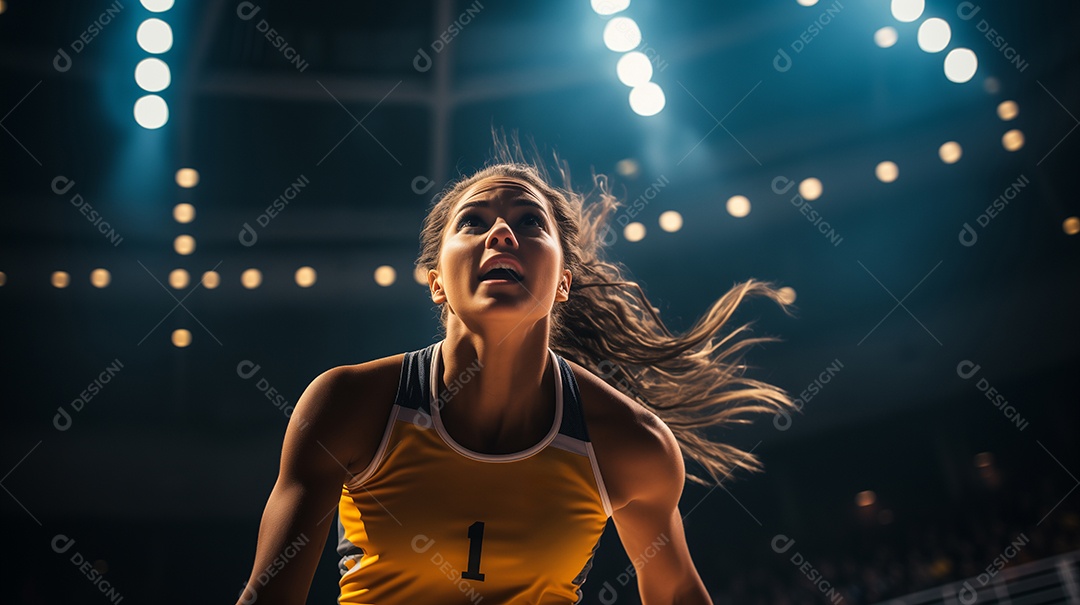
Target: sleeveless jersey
[[430, 521]]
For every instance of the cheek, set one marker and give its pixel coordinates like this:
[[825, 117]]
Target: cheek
[[454, 258]]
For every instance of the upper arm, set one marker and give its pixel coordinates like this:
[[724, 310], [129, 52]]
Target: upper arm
[[299, 512], [650, 525]]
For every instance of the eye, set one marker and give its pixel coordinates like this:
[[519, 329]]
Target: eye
[[469, 220], [532, 219]]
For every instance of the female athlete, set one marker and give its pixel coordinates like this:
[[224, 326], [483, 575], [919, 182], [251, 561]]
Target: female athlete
[[484, 468]]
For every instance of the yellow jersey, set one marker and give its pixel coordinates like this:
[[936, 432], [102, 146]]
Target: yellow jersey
[[430, 521]]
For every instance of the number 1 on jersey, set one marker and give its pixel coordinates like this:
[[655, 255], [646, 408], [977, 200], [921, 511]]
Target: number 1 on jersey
[[476, 542]]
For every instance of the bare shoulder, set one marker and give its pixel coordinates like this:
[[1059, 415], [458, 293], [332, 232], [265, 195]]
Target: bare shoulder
[[636, 451], [347, 407]]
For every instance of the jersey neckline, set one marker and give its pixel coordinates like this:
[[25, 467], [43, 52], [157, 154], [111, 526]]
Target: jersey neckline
[[511, 457]]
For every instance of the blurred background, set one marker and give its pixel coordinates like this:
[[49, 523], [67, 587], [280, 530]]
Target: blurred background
[[209, 204]]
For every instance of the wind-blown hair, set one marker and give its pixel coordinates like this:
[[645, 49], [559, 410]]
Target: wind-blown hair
[[692, 381]]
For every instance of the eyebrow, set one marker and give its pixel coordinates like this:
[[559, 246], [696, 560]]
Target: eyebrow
[[486, 204]]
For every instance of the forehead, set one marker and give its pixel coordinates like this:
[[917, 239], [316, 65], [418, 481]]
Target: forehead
[[501, 188]]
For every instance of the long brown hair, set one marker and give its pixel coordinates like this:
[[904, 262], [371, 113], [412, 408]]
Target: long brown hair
[[692, 381]]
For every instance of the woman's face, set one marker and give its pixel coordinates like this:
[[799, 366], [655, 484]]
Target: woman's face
[[500, 255]]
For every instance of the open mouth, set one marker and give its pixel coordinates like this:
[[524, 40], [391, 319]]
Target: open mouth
[[501, 273]]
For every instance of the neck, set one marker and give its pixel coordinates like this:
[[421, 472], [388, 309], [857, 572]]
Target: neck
[[496, 385]]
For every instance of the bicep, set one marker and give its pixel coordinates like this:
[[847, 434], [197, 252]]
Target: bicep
[[300, 510]]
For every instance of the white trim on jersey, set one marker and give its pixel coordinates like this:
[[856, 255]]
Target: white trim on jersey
[[464, 451]]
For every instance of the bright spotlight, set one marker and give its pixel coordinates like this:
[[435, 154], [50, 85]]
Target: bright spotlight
[[251, 278], [950, 152], [100, 278], [647, 99], [187, 177], [885, 37], [184, 213], [151, 112], [1012, 140], [152, 75], [154, 36], [671, 221], [810, 189], [157, 6], [1071, 225], [385, 275], [634, 69], [305, 277], [179, 278], [907, 11], [607, 7], [887, 172], [1008, 110], [634, 232], [934, 35], [960, 65], [807, 2], [621, 34], [181, 338], [738, 206]]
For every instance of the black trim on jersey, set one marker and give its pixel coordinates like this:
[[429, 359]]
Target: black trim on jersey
[[414, 391]]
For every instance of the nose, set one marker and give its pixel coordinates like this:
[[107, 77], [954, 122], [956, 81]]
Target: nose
[[501, 235]]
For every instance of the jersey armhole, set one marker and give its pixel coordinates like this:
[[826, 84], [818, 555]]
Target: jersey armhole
[[380, 453], [599, 478], [395, 410]]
